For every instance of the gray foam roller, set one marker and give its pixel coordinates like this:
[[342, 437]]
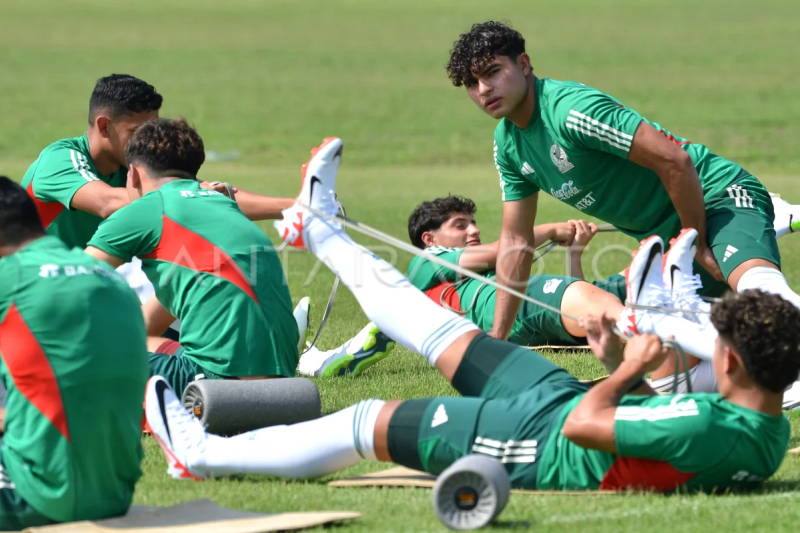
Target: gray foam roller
[[472, 492], [230, 407]]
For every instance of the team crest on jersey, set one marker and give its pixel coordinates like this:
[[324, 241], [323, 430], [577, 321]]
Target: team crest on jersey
[[559, 158]]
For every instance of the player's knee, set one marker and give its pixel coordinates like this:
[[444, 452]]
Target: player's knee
[[769, 280]]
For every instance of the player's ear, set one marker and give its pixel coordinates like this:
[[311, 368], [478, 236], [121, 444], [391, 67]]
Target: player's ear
[[102, 123], [134, 177], [731, 362], [428, 239], [524, 63]]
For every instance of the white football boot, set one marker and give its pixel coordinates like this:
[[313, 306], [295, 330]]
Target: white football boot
[[368, 347], [679, 280], [645, 285], [787, 216], [180, 435], [318, 190]]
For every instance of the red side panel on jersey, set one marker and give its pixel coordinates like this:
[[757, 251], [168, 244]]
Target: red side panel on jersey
[[644, 474], [48, 211], [31, 371], [447, 293], [183, 247]]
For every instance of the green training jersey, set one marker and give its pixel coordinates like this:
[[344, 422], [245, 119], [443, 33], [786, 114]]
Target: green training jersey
[[53, 179], [576, 147], [214, 270], [693, 442], [447, 288], [74, 364]]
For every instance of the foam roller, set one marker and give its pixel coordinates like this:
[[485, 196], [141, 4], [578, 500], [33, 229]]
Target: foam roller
[[230, 407]]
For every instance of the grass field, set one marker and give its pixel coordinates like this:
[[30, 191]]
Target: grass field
[[269, 78]]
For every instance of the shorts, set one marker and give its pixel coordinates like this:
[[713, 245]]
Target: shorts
[[739, 227], [512, 400], [169, 362], [15, 512], [615, 285], [536, 325]]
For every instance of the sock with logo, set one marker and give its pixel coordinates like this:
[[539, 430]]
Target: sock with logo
[[399, 309], [305, 450]]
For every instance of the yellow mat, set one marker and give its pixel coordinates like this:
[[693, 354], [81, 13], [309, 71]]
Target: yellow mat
[[198, 516], [401, 476]]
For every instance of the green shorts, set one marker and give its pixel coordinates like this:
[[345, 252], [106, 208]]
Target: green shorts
[[536, 325], [739, 227], [512, 400], [615, 285], [15, 512], [170, 363]]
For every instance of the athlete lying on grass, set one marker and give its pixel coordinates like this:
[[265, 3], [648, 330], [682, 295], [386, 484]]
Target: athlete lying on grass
[[72, 344], [548, 429], [211, 267]]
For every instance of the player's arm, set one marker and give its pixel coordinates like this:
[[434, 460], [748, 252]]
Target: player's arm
[[484, 256], [675, 168], [156, 318], [99, 198], [591, 423], [257, 207], [100, 255], [514, 259], [583, 233]]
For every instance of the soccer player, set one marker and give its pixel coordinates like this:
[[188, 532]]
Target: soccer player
[[592, 152], [77, 182], [73, 361], [211, 267], [549, 430]]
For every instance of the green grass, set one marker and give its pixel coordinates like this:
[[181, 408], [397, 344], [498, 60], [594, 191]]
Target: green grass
[[270, 78]]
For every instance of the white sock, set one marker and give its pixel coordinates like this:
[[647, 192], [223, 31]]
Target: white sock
[[695, 339], [401, 311], [308, 449], [769, 280]]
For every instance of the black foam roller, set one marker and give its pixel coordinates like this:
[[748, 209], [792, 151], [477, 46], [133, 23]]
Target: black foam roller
[[230, 407]]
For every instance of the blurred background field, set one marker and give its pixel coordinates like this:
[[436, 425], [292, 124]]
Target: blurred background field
[[267, 79]]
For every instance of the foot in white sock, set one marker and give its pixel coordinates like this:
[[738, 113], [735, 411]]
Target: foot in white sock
[[401, 311], [368, 347], [302, 316], [179, 434]]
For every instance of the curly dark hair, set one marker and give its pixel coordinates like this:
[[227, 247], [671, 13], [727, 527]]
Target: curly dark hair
[[763, 329], [121, 95], [429, 216], [19, 220], [167, 148], [474, 49]]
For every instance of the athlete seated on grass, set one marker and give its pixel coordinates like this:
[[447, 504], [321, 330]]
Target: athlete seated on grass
[[73, 361], [211, 267], [77, 182], [548, 429], [597, 155]]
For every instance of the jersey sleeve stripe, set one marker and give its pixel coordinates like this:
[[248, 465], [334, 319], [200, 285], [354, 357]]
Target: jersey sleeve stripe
[[580, 129], [590, 120], [80, 163], [603, 133], [30, 369]]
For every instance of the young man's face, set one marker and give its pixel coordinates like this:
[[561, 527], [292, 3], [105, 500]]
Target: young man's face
[[459, 231], [501, 85], [121, 130]]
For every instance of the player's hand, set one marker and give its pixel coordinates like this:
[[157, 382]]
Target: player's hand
[[707, 260], [564, 233], [584, 232], [219, 187], [646, 350], [605, 344]]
